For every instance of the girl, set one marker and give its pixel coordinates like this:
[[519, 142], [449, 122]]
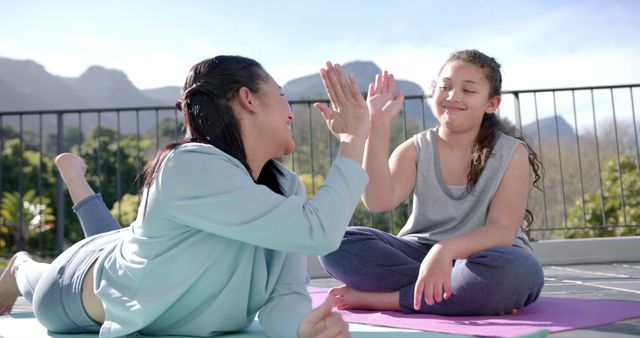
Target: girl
[[461, 251], [223, 226]]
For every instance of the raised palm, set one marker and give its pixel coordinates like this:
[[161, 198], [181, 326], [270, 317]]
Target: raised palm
[[384, 99], [348, 116]]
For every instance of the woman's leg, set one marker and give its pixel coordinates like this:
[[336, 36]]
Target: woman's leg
[[13, 284], [491, 282], [57, 300], [93, 214]]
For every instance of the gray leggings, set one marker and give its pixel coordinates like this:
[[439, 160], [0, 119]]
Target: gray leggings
[[490, 282], [55, 290]]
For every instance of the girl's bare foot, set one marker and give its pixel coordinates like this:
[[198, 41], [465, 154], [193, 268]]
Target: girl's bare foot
[[347, 298], [9, 291], [72, 170]]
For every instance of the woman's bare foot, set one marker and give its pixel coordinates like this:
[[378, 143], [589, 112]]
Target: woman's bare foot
[[9, 291], [72, 170], [347, 298]]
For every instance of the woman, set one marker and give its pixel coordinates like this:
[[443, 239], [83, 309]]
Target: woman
[[222, 229]]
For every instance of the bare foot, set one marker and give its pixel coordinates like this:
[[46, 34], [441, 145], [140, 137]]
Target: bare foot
[[72, 169], [9, 291], [70, 166], [347, 298]]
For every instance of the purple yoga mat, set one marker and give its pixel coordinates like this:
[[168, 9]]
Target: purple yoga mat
[[554, 314]]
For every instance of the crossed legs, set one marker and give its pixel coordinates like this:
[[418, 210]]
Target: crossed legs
[[380, 271]]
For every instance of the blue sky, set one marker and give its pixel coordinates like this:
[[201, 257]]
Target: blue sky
[[540, 44]]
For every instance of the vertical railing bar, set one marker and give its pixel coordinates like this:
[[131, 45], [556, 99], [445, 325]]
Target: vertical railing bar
[[293, 135], [635, 130], [313, 169], [595, 130], [21, 241], [80, 131], [40, 210], [564, 203], [517, 113], [138, 159], [118, 169], [424, 116], [98, 142], [157, 130], [544, 194], [575, 123], [60, 191], [615, 131]]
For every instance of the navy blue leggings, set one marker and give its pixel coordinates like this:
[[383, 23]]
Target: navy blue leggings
[[490, 282]]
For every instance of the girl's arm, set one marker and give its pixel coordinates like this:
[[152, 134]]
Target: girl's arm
[[391, 179], [504, 218]]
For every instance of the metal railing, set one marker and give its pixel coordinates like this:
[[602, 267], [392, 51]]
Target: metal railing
[[586, 137]]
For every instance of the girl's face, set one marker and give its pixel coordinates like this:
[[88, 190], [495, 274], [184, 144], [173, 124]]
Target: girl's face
[[277, 116], [462, 97]]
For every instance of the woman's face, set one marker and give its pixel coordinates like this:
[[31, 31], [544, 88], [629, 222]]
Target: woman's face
[[277, 115], [462, 97]]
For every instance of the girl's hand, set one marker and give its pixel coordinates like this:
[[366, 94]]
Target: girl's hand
[[434, 276], [384, 100], [348, 117], [322, 322]]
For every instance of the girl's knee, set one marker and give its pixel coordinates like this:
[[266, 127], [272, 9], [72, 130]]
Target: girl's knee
[[509, 268]]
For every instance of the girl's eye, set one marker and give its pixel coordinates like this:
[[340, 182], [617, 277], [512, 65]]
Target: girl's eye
[[445, 88], [282, 94], [468, 91]]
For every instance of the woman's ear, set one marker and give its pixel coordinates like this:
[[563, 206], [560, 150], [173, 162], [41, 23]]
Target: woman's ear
[[247, 100], [493, 104]]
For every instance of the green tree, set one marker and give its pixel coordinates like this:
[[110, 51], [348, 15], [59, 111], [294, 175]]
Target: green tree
[[25, 170], [610, 198], [26, 215], [126, 209]]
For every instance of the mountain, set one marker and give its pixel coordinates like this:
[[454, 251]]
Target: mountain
[[106, 88], [26, 85], [32, 87], [548, 130], [310, 87], [167, 96]]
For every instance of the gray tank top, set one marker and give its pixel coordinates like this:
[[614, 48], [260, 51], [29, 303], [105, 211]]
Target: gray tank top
[[439, 213]]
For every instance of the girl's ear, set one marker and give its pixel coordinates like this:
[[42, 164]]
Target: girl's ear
[[493, 104], [247, 100]]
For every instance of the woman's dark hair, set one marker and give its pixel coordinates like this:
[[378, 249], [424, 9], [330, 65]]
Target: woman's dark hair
[[208, 118], [491, 124]]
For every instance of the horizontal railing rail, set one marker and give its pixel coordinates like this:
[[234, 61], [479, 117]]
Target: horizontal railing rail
[[586, 137]]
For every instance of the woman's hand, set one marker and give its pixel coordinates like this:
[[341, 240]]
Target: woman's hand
[[384, 99], [348, 117], [434, 276], [322, 322]]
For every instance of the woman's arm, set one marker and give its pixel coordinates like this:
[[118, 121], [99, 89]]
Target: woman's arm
[[203, 188], [287, 312], [348, 117]]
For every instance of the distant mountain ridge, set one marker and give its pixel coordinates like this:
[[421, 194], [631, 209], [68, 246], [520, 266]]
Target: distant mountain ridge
[[310, 86], [26, 85]]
